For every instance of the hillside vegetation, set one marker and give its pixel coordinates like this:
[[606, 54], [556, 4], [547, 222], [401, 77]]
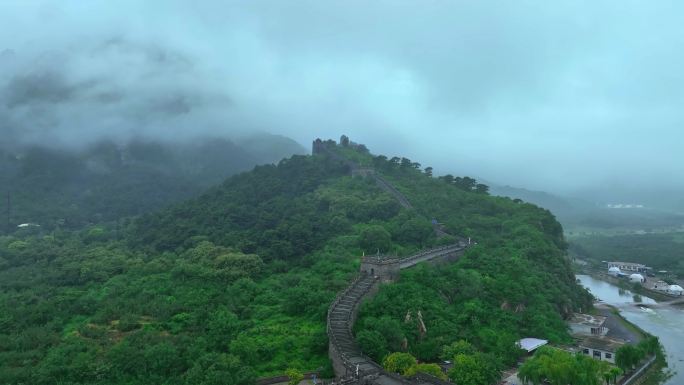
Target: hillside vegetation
[[235, 284], [514, 283], [106, 181]]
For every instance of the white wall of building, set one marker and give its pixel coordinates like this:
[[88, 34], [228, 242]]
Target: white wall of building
[[588, 330], [599, 354]]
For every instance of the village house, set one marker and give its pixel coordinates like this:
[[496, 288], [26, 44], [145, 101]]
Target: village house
[[629, 266], [661, 285], [675, 290], [601, 347], [667, 288], [637, 278], [531, 344], [587, 324]]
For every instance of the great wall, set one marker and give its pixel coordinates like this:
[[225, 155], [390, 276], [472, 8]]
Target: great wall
[[351, 366]]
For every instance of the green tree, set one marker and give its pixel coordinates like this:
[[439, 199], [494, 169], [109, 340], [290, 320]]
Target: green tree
[[627, 356], [431, 369], [613, 374], [559, 367], [649, 345], [219, 369], [473, 369], [414, 231], [372, 343], [222, 326], [294, 376], [398, 362], [375, 238], [457, 347]]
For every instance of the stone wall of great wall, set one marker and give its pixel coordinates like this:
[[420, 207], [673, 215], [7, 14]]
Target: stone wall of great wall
[[324, 148], [351, 366], [349, 362]]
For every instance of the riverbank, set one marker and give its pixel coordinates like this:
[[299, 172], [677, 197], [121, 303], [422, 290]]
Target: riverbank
[[626, 285], [618, 326], [653, 369], [663, 323]]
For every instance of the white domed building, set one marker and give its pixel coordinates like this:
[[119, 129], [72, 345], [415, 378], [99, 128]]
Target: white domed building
[[675, 290], [637, 278], [614, 271]]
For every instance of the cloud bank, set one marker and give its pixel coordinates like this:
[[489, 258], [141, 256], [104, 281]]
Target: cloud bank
[[562, 96]]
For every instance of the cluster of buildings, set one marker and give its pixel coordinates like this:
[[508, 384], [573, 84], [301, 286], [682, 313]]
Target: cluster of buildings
[[633, 277], [624, 206], [592, 333], [668, 288], [635, 272], [594, 341]]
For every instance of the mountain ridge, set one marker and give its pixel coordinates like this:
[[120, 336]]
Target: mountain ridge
[[236, 282]]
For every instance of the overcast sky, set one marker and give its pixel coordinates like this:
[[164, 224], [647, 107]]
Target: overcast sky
[[543, 94]]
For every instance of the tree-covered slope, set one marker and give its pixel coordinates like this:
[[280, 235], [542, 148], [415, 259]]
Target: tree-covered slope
[[235, 284], [514, 283], [107, 181]]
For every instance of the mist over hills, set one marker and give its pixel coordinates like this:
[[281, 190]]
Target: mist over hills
[[106, 180], [152, 233], [582, 215]]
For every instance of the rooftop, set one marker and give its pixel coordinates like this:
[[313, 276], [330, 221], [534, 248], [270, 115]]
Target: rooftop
[[587, 319], [626, 263], [531, 344], [604, 343]]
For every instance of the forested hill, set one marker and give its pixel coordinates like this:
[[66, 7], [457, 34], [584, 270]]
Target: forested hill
[[106, 180], [235, 284]]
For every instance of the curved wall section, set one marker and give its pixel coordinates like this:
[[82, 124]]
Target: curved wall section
[[350, 364]]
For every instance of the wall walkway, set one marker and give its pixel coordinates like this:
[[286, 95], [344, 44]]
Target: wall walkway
[[349, 362], [351, 366]]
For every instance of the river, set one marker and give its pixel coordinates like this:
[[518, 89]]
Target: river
[[667, 323]]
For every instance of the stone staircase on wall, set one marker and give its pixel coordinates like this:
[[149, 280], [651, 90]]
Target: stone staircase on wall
[[351, 366]]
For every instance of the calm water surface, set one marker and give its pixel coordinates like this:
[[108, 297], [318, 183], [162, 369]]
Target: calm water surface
[[665, 322]]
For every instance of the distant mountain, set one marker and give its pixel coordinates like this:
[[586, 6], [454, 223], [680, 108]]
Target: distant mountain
[[581, 215], [270, 148], [665, 198], [106, 181], [562, 207]]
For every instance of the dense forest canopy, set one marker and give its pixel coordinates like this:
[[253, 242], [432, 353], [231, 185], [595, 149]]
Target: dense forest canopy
[[235, 284], [106, 181]]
